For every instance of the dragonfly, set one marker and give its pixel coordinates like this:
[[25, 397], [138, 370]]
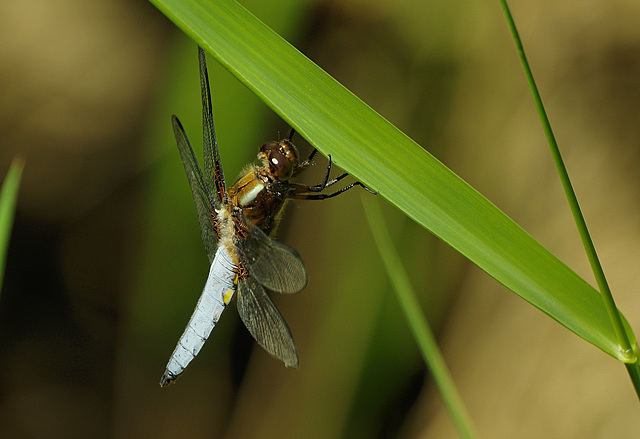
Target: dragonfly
[[235, 225]]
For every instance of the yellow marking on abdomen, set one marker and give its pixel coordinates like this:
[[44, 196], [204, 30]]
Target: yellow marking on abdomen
[[226, 297]]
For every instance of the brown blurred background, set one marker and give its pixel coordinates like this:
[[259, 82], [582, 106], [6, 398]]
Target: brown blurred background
[[106, 264]]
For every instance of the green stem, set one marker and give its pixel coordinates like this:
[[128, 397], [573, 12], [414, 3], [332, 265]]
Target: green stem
[[596, 267], [417, 322]]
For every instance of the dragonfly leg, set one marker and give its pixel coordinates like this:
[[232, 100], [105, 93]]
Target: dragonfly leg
[[301, 192], [317, 196]]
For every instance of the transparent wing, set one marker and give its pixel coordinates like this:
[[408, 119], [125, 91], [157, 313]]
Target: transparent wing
[[203, 198], [264, 322], [274, 265], [214, 176]]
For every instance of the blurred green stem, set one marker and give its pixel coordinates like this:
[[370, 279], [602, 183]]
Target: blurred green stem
[[8, 198], [417, 322], [614, 315]]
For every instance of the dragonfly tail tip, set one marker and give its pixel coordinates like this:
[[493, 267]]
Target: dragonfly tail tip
[[167, 379]]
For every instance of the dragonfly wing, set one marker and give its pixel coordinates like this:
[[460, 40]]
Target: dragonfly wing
[[202, 196], [264, 322], [213, 174], [217, 293], [276, 266]]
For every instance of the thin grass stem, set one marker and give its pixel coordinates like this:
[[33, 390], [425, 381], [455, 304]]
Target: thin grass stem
[[417, 322], [587, 242]]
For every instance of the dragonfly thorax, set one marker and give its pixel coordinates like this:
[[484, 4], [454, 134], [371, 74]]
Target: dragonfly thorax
[[254, 193], [251, 196]]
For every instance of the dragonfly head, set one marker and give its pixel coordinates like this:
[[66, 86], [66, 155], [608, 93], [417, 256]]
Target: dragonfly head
[[281, 157]]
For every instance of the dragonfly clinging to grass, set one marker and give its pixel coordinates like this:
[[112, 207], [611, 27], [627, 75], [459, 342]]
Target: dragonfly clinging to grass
[[235, 224]]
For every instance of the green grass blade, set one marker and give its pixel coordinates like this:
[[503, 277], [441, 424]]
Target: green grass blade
[[378, 154], [417, 322], [8, 198]]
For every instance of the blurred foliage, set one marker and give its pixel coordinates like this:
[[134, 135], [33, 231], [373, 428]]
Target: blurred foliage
[[106, 264]]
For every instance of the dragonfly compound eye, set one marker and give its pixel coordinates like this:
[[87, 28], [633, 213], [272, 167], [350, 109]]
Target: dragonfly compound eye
[[269, 146], [280, 166]]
